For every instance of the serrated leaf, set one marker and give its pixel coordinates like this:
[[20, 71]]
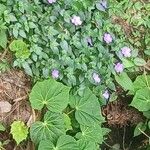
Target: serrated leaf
[[141, 126], [84, 145], [51, 93], [124, 80], [141, 100], [141, 82], [64, 142], [139, 62], [51, 128], [3, 39], [19, 131], [20, 48], [93, 133], [87, 108]]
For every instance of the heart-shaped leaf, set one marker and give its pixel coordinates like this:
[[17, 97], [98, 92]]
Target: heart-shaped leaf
[[51, 128], [64, 142], [141, 100], [87, 108], [51, 93], [141, 82], [124, 80]]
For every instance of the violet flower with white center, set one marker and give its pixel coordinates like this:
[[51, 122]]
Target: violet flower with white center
[[107, 38], [55, 73], [102, 5], [96, 78], [76, 20], [51, 1], [89, 41], [106, 94], [119, 67], [126, 51]]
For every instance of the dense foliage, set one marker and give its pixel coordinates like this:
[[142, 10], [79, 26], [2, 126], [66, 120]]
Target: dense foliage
[[90, 47]]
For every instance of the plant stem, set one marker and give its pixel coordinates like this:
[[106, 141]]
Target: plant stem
[[144, 133], [70, 111]]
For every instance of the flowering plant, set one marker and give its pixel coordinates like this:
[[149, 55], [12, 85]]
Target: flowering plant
[[88, 48]]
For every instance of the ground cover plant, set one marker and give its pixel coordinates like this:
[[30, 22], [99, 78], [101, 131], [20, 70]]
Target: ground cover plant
[[85, 74]]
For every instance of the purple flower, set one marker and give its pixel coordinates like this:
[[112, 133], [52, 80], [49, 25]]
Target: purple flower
[[126, 51], [76, 20], [119, 67], [102, 5], [106, 94], [96, 78], [89, 41], [51, 1], [107, 38], [55, 73]]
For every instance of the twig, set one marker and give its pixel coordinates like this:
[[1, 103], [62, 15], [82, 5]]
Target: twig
[[4, 53], [20, 98], [109, 145]]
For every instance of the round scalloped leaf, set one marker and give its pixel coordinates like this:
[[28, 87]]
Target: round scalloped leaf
[[141, 100], [51, 93], [20, 48], [84, 145], [92, 134], [64, 142], [51, 128], [87, 108]]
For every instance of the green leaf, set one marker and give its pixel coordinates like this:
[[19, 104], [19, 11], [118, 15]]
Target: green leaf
[[67, 121], [2, 128], [27, 68], [147, 114], [3, 39], [139, 62], [2, 9], [19, 131], [87, 108], [141, 126], [127, 63], [51, 128], [20, 48], [64, 142], [22, 33], [141, 82], [147, 52], [84, 145], [92, 134], [51, 93], [141, 100], [124, 80]]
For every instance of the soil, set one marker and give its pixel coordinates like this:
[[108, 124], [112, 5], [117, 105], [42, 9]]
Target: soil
[[122, 120], [15, 86]]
